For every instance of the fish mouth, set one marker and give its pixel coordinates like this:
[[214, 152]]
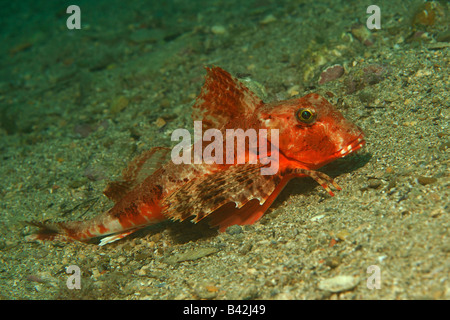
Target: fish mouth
[[353, 146]]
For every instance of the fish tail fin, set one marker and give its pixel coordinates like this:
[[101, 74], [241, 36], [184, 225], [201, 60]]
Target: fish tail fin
[[62, 231], [71, 231], [114, 224]]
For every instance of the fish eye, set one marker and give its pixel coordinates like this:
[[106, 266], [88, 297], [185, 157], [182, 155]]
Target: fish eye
[[305, 115]]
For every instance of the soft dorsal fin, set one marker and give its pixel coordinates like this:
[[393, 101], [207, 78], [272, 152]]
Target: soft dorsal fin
[[222, 99], [137, 171]]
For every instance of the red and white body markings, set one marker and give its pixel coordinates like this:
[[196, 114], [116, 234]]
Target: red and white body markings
[[311, 134]]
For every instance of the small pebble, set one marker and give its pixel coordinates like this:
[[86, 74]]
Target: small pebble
[[190, 255], [236, 229], [268, 19], [437, 213], [294, 90], [360, 32], [333, 262], [245, 249], [374, 183], [426, 180], [342, 235], [205, 291], [160, 122], [248, 293], [318, 217], [331, 73], [218, 30], [422, 73], [338, 284], [119, 104]]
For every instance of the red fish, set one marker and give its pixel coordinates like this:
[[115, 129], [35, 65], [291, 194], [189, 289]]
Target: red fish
[[153, 188]]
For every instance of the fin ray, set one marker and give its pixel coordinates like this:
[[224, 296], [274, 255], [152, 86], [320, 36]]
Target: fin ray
[[139, 169], [222, 98], [204, 195]]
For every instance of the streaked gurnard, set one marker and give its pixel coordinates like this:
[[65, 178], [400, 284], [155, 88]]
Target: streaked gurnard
[[311, 132]]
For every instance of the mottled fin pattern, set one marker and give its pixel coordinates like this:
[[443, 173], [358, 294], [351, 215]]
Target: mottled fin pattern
[[233, 196], [253, 210], [223, 98], [203, 195], [137, 171]]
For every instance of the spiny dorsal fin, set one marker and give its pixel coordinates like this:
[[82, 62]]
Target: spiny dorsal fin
[[137, 171], [222, 99]]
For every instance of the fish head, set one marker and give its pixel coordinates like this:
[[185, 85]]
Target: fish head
[[312, 132]]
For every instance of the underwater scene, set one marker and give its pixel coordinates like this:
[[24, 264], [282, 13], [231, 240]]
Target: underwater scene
[[225, 150]]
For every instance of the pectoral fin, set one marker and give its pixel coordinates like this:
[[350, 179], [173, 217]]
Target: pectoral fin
[[238, 195], [236, 185]]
